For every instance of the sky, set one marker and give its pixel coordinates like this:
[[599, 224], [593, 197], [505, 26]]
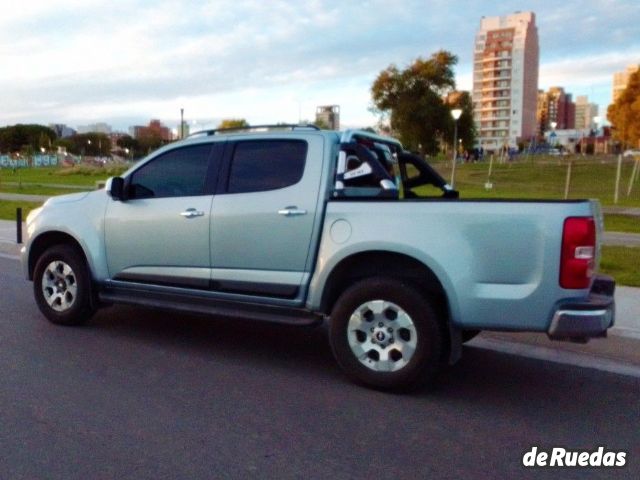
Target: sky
[[124, 62]]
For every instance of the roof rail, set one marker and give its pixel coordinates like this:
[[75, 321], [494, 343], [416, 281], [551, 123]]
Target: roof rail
[[282, 126]]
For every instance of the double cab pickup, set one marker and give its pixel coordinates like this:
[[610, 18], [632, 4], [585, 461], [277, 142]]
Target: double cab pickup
[[304, 226]]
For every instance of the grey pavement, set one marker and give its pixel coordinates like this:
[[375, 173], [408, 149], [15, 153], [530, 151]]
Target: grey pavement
[[621, 239], [633, 211]]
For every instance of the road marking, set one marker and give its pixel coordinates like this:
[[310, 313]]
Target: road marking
[[556, 356]]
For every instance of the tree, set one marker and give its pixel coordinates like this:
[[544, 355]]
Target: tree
[[131, 144], [466, 127], [92, 144], [15, 138], [233, 123], [413, 100], [624, 114]]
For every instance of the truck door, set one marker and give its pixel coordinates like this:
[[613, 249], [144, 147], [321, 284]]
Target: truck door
[[263, 218], [160, 234]]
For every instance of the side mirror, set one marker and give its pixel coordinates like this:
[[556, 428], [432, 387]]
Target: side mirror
[[115, 188]]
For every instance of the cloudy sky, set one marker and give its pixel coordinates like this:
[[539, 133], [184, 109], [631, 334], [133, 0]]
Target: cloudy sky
[[124, 62]]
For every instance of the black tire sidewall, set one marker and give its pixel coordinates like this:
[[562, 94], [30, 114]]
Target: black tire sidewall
[[426, 359], [81, 310]]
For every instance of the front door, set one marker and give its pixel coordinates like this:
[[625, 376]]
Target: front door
[[160, 234]]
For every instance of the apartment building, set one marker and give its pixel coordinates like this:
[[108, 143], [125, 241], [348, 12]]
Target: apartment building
[[620, 80], [585, 112], [555, 107], [505, 80]]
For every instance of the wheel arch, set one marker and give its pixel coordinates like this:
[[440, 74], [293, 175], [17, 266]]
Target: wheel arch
[[48, 239], [383, 263]]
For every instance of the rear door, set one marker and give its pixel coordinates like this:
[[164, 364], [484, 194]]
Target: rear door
[[262, 220]]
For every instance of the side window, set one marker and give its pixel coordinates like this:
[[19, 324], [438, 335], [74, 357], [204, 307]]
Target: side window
[[179, 173], [261, 165]]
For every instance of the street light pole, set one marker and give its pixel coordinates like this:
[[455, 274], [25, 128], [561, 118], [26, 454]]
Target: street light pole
[[455, 113], [181, 123]]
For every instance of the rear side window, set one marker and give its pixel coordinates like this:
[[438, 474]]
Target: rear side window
[[178, 173], [261, 165]]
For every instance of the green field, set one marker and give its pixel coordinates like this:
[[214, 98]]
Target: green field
[[545, 177], [621, 223], [621, 263], [8, 209]]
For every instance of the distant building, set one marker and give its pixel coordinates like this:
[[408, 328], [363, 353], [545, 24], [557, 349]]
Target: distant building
[[62, 131], [330, 115], [154, 129], [100, 127], [555, 106], [585, 112], [182, 131], [621, 79], [505, 80]]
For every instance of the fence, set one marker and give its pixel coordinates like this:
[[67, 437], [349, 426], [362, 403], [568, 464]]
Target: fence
[[34, 161]]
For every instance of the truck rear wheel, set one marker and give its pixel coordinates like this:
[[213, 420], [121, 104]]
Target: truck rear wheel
[[386, 335], [62, 286]]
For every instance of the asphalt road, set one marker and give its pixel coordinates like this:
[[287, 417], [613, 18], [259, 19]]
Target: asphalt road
[[143, 394]]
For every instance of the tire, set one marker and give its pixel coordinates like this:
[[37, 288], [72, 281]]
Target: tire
[[62, 286], [386, 335]]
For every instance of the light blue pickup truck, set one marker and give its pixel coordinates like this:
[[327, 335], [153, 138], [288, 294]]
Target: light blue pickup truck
[[299, 225]]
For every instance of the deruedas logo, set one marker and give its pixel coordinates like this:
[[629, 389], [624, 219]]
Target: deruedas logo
[[561, 457]]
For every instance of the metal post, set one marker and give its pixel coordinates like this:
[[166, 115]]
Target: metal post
[[455, 153], [634, 173], [615, 196], [181, 123], [568, 181], [18, 225]]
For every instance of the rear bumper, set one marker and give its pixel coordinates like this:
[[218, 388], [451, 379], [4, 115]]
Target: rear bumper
[[588, 318]]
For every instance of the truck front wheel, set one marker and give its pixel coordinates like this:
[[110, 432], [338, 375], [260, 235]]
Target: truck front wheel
[[62, 286], [386, 335]]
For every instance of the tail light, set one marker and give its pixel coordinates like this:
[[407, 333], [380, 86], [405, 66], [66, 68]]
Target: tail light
[[578, 252]]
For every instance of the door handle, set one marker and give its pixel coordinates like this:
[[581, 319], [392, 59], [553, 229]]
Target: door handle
[[291, 211], [191, 212]]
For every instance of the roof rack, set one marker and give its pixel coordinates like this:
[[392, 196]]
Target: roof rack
[[282, 126]]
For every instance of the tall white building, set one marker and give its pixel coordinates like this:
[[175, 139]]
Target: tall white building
[[620, 80], [585, 112], [505, 80]]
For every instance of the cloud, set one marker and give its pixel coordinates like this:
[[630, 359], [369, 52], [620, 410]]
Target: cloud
[[91, 60]]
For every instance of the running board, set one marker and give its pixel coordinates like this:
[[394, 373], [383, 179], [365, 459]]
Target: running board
[[206, 306]]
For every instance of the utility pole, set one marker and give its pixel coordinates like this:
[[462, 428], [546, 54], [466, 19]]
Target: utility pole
[[181, 123]]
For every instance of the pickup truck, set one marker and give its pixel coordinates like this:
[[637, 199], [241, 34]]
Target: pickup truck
[[301, 226]]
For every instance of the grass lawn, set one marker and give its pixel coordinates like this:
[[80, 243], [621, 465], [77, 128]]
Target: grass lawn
[[621, 223], [8, 209], [81, 175], [622, 264], [35, 189], [544, 177]]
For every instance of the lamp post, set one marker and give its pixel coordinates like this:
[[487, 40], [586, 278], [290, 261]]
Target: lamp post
[[552, 136], [455, 113], [597, 119]]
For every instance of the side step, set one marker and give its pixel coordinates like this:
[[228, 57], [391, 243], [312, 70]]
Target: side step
[[208, 306]]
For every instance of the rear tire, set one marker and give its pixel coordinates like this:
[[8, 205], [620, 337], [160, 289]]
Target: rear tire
[[386, 335], [62, 286]]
